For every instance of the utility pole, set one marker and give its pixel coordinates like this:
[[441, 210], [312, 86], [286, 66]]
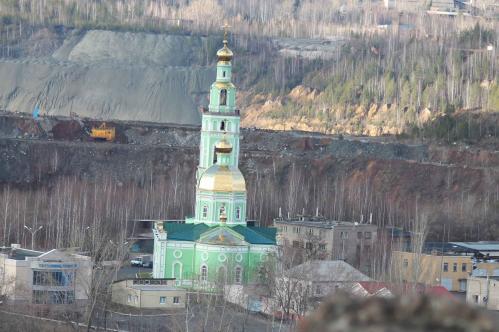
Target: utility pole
[[33, 233]]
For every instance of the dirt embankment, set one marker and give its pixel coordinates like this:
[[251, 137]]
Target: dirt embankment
[[345, 178]]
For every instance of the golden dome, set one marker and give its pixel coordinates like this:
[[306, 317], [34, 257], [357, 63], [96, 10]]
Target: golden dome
[[222, 179], [225, 54], [223, 147]]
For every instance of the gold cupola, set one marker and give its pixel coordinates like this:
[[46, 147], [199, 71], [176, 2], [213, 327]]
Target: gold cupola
[[225, 54], [220, 177]]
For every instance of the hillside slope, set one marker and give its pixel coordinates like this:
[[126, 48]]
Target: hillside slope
[[112, 75]]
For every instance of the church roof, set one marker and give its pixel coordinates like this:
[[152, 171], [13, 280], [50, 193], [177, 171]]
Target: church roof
[[192, 232]]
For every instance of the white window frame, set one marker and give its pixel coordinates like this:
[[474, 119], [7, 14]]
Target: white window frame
[[204, 276], [162, 300]]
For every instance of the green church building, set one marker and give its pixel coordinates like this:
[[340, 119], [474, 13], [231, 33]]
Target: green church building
[[216, 245]]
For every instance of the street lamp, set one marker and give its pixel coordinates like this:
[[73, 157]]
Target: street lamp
[[33, 233]]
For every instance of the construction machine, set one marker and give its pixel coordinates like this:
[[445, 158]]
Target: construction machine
[[103, 133]]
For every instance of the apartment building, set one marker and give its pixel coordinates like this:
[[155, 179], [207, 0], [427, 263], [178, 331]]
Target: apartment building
[[320, 238]]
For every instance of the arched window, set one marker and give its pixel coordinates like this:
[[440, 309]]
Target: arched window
[[205, 211], [222, 125], [238, 213], [214, 155], [204, 273], [222, 210], [223, 73], [177, 271], [222, 275], [238, 275], [223, 97]]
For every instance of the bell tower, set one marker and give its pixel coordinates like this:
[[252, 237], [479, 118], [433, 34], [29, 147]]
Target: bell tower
[[221, 119]]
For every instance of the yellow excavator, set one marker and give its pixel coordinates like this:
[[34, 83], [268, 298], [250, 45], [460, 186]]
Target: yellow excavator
[[103, 133]]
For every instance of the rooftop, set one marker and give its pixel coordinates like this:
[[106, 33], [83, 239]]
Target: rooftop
[[19, 254], [317, 221], [193, 232], [480, 248], [327, 271]]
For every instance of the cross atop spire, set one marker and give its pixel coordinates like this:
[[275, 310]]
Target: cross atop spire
[[226, 28]]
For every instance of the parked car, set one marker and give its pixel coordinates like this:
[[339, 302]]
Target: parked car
[[142, 261]]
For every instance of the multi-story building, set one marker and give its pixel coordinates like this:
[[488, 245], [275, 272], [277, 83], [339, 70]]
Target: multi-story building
[[448, 264], [450, 271], [53, 277], [320, 238]]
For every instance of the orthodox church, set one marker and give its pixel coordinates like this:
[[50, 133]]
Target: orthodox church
[[216, 244]]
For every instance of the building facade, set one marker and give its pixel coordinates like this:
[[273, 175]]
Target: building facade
[[215, 245], [148, 293], [449, 271], [483, 291], [447, 264], [319, 238], [53, 277]]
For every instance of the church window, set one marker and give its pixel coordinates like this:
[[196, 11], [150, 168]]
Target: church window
[[222, 275], [214, 155], [204, 273], [223, 97], [223, 73], [205, 212], [222, 210], [177, 270], [222, 125], [238, 213], [238, 275]]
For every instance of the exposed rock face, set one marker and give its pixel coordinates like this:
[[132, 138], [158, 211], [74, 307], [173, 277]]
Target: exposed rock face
[[307, 109], [112, 75]]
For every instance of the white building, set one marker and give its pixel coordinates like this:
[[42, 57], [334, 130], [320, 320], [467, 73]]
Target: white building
[[52, 277], [483, 291]]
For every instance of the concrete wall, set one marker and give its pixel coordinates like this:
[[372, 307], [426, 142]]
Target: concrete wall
[[483, 292]]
